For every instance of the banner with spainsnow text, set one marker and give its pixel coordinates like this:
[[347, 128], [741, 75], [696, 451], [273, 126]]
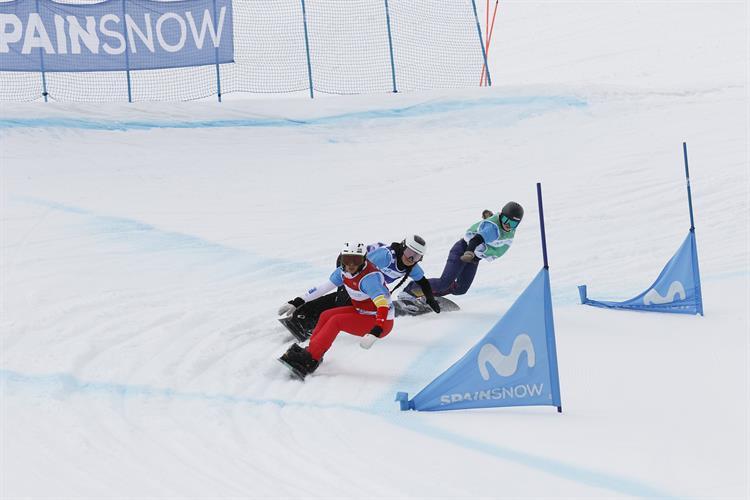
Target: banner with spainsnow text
[[115, 35]]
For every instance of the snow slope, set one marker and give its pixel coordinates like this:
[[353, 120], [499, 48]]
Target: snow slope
[[146, 248]]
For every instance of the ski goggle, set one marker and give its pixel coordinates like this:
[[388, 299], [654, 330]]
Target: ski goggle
[[510, 222], [352, 260], [412, 256]]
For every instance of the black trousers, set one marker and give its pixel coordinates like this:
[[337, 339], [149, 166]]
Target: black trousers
[[307, 314]]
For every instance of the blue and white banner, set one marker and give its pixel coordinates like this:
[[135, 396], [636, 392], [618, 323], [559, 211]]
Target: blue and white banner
[[676, 290], [115, 35], [515, 364]]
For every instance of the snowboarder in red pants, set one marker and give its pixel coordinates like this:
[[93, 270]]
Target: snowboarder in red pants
[[370, 316]]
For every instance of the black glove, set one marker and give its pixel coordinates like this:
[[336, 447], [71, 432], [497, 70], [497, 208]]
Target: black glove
[[433, 304], [298, 301], [377, 331]]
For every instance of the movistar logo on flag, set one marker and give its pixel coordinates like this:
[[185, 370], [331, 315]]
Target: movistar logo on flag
[[505, 365], [515, 364], [38, 35]]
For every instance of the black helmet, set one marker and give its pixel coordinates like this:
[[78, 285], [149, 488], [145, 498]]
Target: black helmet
[[511, 214]]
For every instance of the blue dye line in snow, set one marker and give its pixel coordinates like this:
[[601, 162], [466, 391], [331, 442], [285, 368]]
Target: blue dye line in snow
[[62, 384], [147, 238], [550, 466], [414, 111], [122, 126]]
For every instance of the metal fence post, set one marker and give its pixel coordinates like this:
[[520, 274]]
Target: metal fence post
[[390, 45], [307, 50], [127, 55], [218, 72], [41, 63]]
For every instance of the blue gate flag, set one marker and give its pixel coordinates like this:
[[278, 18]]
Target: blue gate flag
[[676, 290], [515, 364], [114, 35]]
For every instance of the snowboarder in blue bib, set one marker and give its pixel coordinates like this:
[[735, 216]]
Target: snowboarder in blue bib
[[487, 240], [400, 261]]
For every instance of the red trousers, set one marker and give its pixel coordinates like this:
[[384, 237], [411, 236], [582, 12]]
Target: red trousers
[[339, 319]]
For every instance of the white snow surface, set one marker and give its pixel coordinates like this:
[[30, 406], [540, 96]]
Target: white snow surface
[[146, 248]]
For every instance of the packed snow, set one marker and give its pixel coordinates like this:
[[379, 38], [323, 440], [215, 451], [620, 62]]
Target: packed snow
[[147, 247]]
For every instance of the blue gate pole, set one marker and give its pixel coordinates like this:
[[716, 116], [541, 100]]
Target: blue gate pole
[[690, 195], [307, 50], [481, 42], [693, 245], [41, 63], [541, 223], [127, 55], [548, 318], [218, 73], [390, 45]]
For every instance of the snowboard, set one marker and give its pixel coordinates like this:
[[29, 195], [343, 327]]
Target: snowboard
[[408, 306], [297, 330], [292, 370]]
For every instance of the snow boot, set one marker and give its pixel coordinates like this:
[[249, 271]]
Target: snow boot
[[299, 361]]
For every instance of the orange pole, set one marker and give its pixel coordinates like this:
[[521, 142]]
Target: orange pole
[[489, 41], [487, 23]]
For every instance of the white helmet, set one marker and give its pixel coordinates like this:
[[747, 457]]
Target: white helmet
[[415, 243], [353, 254], [354, 249]]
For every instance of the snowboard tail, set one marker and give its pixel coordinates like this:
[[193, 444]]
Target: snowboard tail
[[296, 328], [292, 370]]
